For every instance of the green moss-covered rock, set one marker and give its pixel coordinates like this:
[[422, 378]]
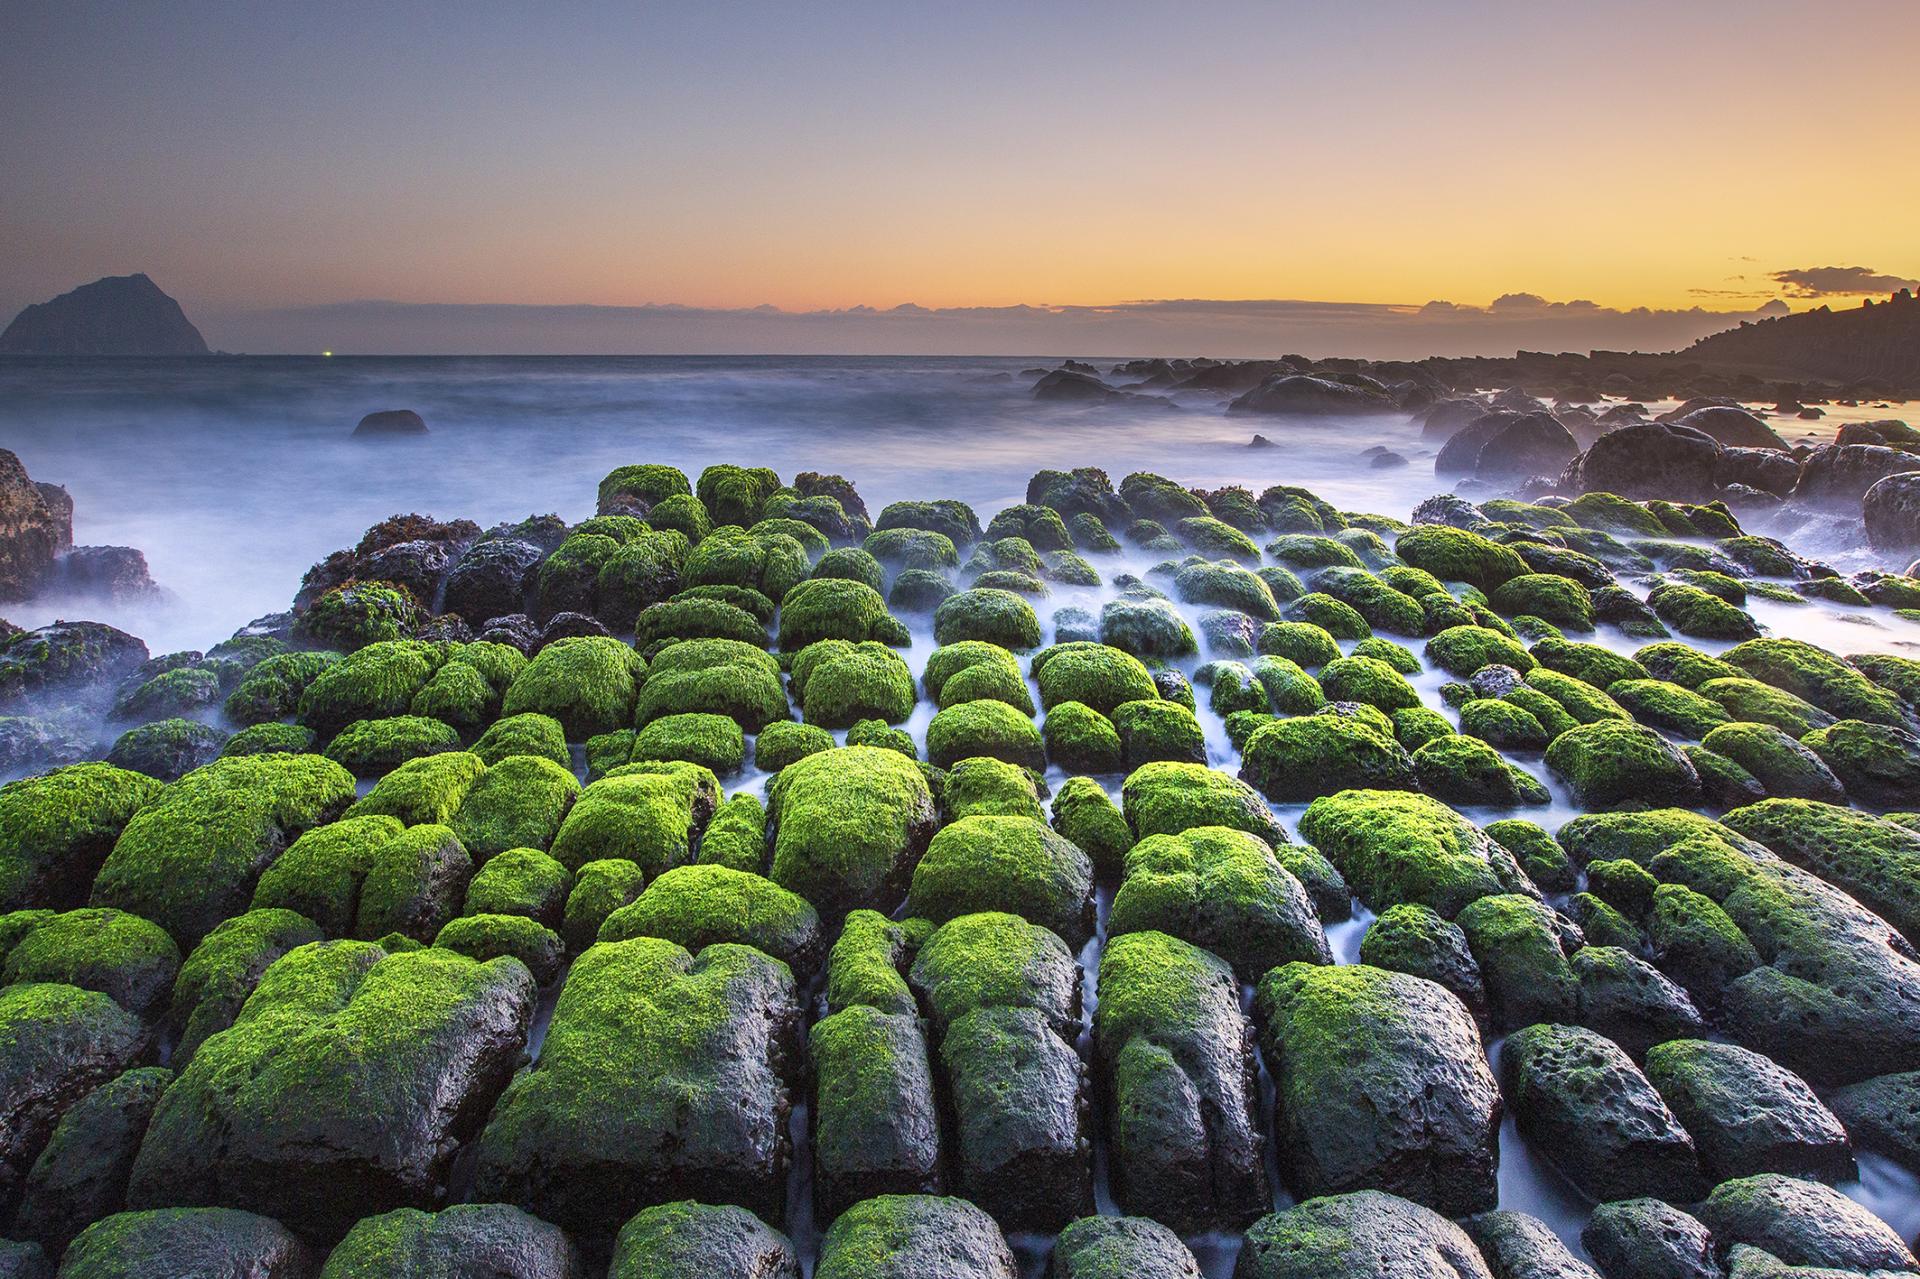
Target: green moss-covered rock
[[588, 683], [1365, 1234], [599, 888], [367, 877], [340, 1046], [697, 906], [1092, 674], [868, 963], [651, 814], [356, 614], [1877, 763], [1222, 890], [1750, 701], [1227, 585], [1544, 861], [1746, 1114], [1395, 846], [1874, 860], [1300, 642], [1084, 813], [1381, 1083], [167, 749], [780, 744], [1147, 627], [1517, 943], [56, 830], [663, 1074], [1463, 650], [696, 616], [993, 729], [1557, 599], [1819, 677], [1081, 739], [714, 676], [1459, 555], [1121, 1248], [1700, 614], [223, 969], [916, 549], [271, 739], [988, 615], [375, 747], [1505, 724], [1607, 764], [1336, 617], [736, 494], [1166, 798], [990, 788], [838, 683], [915, 1237], [737, 835], [764, 560], [1380, 605], [1783, 767], [520, 881], [1012, 864], [972, 670], [1299, 759], [1412, 939], [189, 858], [1152, 731], [187, 1241], [118, 954], [687, 1240], [1465, 770], [1172, 1046], [81, 1175], [698, 737], [1683, 664], [1669, 706], [1802, 1223], [645, 484], [461, 1239], [849, 824], [487, 937]]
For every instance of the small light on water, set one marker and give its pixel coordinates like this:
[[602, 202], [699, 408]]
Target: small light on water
[[328, 354]]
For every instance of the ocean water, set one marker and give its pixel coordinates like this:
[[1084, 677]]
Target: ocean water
[[235, 475]]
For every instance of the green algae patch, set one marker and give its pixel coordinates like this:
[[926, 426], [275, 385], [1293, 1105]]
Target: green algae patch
[[849, 824]]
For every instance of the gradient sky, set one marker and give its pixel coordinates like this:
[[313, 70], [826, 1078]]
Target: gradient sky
[[255, 157]]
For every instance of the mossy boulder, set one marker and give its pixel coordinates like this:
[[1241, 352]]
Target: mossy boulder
[[81, 1175], [1412, 939], [1300, 759], [848, 826], [1081, 739], [910, 550], [460, 1239], [1874, 860], [588, 683], [645, 485], [167, 749], [1818, 676], [1504, 724], [1608, 763], [341, 1046], [1147, 627], [1083, 812], [1121, 1248], [1460, 555], [356, 614], [736, 494], [599, 888], [692, 617], [369, 876], [223, 969], [1782, 766], [651, 814], [1167, 797], [688, 1240], [1334, 616], [56, 830], [697, 906], [1381, 1083], [783, 743], [1289, 689], [111, 951], [1173, 1049], [1462, 650], [1222, 890], [1227, 585], [1700, 614], [764, 560], [1672, 707], [1803, 1223], [1750, 701], [1465, 770], [1012, 864], [1397, 846], [1093, 674], [187, 1241], [714, 676], [271, 739], [488, 937], [189, 858], [698, 737], [993, 729], [989, 615], [663, 1075], [1302, 643], [1748, 1115], [520, 881], [1368, 680], [1549, 596], [983, 787], [1519, 945], [1380, 605], [838, 683], [1364, 1234], [915, 1237], [375, 747], [1877, 763]]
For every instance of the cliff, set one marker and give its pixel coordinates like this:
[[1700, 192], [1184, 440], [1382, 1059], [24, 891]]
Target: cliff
[[1875, 342]]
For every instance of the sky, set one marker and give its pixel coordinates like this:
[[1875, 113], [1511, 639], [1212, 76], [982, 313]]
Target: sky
[[279, 168]]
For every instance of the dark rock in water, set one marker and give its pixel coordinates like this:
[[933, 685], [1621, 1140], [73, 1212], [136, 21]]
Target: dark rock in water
[[1450, 510], [1515, 400], [1387, 461], [1649, 1239], [171, 1242], [568, 625], [1891, 509], [32, 531], [908, 1237], [391, 422], [35, 743], [1748, 1115], [492, 579], [515, 629], [118, 315], [689, 1240], [21, 1260], [1517, 1246], [1505, 445], [1838, 476], [1650, 459], [1803, 1223], [1259, 442], [1883, 1115], [1732, 427], [1768, 470], [1071, 384], [1582, 1102], [73, 660], [418, 565], [1368, 1234], [168, 749], [82, 1174], [1695, 403], [1297, 395], [1887, 431], [117, 573], [1449, 416]]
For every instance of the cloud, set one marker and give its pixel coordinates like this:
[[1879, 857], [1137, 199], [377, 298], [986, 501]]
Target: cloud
[[1170, 326], [1844, 281]]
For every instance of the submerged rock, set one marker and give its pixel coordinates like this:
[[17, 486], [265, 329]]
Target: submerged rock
[[390, 422]]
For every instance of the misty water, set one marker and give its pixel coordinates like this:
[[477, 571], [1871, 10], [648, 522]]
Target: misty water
[[235, 475]]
